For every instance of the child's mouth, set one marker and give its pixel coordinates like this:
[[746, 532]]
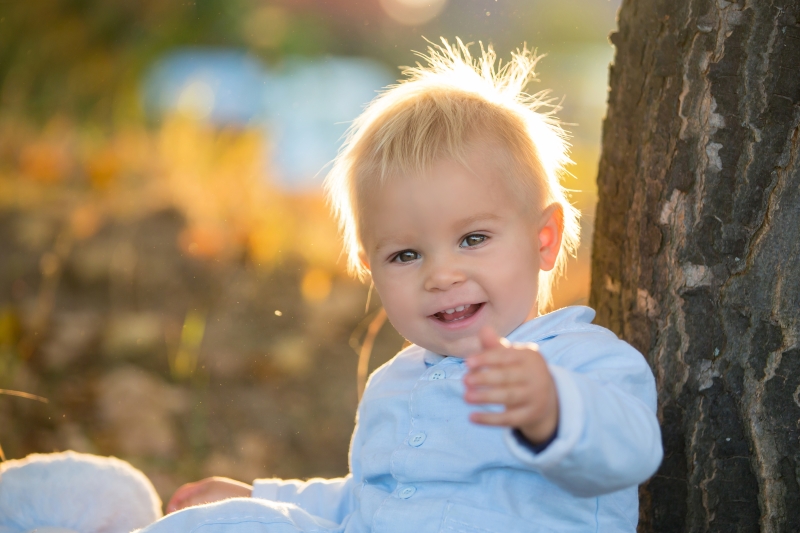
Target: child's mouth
[[458, 313]]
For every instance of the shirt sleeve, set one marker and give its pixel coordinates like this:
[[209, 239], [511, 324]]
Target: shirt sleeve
[[608, 434], [239, 515], [331, 499], [535, 448]]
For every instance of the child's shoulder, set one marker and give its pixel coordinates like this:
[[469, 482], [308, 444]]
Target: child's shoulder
[[573, 322], [570, 333]]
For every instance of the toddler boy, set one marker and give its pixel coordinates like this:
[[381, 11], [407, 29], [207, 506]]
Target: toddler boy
[[496, 419]]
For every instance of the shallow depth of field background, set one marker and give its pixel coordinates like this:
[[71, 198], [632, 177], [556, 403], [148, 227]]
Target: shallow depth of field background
[[170, 279]]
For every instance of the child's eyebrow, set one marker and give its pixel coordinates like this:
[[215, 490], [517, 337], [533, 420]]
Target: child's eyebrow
[[478, 217], [388, 240]]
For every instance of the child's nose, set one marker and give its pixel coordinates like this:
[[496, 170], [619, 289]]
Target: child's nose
[[442, 275]]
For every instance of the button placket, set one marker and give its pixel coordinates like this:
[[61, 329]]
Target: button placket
[[417, 439], [407, 492]]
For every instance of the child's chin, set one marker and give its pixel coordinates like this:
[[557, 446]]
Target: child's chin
[[461, 348]]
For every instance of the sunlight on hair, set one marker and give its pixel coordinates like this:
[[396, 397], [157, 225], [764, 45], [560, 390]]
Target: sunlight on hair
[[436, 112]]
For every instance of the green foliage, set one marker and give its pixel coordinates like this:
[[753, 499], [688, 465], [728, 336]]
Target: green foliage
[[77, 57]]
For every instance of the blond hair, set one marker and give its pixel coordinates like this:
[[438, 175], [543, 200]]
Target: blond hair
[[438, 112]]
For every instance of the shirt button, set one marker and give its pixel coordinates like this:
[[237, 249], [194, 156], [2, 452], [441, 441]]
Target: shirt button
[[407, 492], [438, 374], [417, 439]]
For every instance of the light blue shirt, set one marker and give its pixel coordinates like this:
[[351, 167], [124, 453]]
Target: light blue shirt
[[417, 464]]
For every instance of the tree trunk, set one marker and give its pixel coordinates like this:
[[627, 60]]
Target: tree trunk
[[696, 258]]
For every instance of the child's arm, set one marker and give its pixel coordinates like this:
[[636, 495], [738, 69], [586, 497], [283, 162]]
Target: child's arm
[[602, 401], [332, 499], [327, 498]]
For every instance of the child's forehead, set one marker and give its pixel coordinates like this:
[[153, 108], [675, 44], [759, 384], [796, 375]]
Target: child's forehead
[[450, 195], [480, 166]]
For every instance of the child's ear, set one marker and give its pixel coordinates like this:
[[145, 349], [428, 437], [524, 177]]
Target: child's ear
[[551, 229]]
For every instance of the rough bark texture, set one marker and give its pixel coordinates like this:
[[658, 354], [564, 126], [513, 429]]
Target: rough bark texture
[[696, 257]]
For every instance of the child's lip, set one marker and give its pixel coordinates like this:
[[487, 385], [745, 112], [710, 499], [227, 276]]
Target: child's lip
[[455, 308], [460, 318]]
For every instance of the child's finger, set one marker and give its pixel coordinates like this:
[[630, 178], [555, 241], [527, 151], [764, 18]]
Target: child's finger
[[508, 396], [511, 417], [496, 357], [488, 338], [495, 376]]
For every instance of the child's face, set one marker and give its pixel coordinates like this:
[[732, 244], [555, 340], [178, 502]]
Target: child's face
[[454, 240]]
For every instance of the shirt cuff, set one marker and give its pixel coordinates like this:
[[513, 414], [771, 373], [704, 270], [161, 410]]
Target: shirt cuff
[[535, 448], [267, 489], [571, 421]]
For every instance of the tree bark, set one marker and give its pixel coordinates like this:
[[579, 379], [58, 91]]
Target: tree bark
[[696, 254]]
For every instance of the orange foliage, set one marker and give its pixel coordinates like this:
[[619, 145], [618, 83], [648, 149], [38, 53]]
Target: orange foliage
[[102, 167], [216, 178], [44, 162]]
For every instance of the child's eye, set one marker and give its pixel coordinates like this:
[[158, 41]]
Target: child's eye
[[406, 256], [472, 240]]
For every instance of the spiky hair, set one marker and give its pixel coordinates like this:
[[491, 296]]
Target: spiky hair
[[440, 110]]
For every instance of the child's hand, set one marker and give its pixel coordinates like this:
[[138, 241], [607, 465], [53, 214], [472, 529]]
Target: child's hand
[[211, 489], [516, 377]]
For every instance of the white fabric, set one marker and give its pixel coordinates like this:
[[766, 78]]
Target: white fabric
[[74, 492], [52, 530]]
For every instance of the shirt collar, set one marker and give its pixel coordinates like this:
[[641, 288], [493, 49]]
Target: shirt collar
[[574, 317], [539, 328], [431, 358]]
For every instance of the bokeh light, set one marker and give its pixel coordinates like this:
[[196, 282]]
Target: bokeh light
[[413, 12]]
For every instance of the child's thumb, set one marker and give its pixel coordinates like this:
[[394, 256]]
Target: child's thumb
[[488, 338]]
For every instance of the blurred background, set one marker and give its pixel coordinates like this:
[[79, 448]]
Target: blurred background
[[171, 290]]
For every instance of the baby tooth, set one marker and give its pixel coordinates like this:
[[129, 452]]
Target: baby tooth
[[461, 308], [449, 311]]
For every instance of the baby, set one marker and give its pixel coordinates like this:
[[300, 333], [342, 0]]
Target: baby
[[498, 418]]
